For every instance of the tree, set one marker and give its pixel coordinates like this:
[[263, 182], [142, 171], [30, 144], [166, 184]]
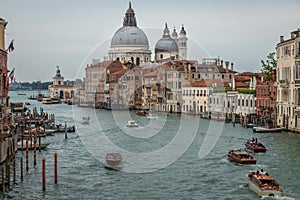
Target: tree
[[269, 65]]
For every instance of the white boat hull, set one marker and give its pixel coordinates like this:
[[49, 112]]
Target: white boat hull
[[264, 193]]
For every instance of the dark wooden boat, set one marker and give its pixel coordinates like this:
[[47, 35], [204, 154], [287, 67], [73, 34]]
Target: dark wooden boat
[[263, 184], [254, 146], [240, 156], [113, 161], [141, 113]]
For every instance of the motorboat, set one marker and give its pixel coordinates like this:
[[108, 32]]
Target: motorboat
[[141, 113], [152, 116], [240, 156], [258, 129], [31, 145], [55, 100], [263, 184], [60, 128], [131, 123], [47, 100], [113, 161], [249, 125], [85, 120], [254, 146]]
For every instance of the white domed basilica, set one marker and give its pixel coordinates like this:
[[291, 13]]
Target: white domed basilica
[[130, 43]]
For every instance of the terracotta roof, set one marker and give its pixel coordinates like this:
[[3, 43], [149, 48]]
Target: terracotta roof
[[120, 72], [208, 83]]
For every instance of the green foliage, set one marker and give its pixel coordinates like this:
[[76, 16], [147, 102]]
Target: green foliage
[[247, 91], [269, 65], [282, 81]]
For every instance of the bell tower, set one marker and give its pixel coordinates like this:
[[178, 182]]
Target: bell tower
[[182, 44], [58, 79]]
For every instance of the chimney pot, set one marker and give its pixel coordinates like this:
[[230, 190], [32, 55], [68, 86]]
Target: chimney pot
[[232, 66], [227, 64], [221, 63]]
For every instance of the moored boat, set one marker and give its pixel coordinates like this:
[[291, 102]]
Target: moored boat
[[131, 123], [113, 161], [263, 184], [258, 129], [240, 156], [31, 145], [254, 146]]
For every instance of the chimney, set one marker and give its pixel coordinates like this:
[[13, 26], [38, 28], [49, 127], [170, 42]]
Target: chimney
[[281, 38], [232, 66], [221, 63], [293, 35], [227, 64]]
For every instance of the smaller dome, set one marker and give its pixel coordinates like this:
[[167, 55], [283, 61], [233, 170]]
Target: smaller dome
[[166, 45]]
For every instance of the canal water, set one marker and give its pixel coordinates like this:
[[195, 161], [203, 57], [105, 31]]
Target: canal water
[[173, 157]]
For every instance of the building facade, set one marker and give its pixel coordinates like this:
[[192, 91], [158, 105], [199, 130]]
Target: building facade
[[288, 82]]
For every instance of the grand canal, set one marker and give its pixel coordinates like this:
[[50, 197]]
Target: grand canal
[[162, 158]]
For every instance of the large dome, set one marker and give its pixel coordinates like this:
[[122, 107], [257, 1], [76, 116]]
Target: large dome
[[129, 36], [166, 45]]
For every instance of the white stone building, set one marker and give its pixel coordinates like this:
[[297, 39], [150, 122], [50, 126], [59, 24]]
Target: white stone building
[[288, 82]]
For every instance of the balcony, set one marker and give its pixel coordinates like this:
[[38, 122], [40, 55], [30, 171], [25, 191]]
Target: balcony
[[284, 83]]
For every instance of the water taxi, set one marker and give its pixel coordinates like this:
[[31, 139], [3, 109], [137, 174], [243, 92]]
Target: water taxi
[[47, 100], [131, 123], [240, 156], [254, 146], [113, 161], [258, 129], [263, 184], [85, 120]]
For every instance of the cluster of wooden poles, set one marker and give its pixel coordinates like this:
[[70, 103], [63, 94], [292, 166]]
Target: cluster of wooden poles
[[6, 184]]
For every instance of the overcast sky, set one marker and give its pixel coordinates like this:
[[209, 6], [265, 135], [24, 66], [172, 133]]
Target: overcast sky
[[69, 33]]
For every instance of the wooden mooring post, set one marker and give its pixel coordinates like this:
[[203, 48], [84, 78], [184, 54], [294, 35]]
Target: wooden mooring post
[[27, 160], [21, 165], [55, 167], [44, 173], [34, 150]]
